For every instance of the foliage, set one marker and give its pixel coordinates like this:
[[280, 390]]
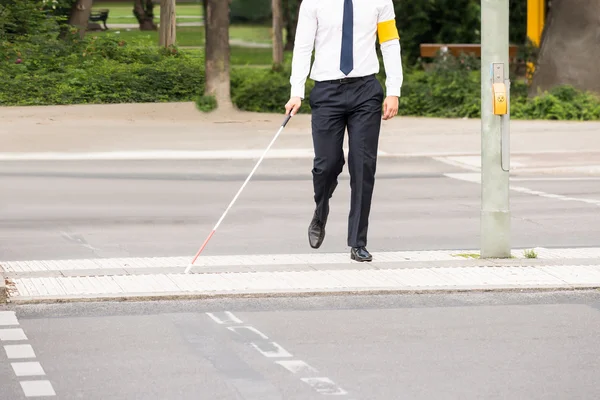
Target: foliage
[[96, 70], [252, 11], [450, 89], [206, 103], [449, 21]]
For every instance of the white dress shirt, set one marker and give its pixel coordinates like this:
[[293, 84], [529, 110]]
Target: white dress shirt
[[320, 28]]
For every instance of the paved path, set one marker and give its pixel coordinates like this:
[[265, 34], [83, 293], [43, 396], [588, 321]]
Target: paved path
[[468, 346]]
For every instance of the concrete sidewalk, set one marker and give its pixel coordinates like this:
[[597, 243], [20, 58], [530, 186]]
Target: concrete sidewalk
[[297, 274], [180, 127]]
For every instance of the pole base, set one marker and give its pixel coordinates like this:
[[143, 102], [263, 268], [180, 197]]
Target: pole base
[[495, 234]]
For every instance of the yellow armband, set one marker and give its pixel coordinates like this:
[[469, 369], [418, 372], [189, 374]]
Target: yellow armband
[[387, 31]]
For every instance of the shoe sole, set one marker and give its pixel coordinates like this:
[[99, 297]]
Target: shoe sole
[[319, 243], [353, 257]]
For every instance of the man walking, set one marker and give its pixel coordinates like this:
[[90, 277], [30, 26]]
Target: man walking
[[346, 95]]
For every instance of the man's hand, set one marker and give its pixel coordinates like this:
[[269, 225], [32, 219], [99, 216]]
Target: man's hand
[[293, 105], [390, 107]]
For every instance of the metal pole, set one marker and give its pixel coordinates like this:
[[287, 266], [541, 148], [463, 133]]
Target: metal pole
[[495, 211]]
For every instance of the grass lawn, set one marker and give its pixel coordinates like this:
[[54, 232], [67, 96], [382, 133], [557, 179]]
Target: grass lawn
[[122, 13], [194, 35]]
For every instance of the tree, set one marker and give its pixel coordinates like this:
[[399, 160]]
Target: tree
[[569, 53], [144, 12], [277, 33], [167, 32], [217, 52], [80, 14], [291, 9]]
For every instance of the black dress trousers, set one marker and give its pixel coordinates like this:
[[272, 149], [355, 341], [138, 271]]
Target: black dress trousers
[[356, 105]]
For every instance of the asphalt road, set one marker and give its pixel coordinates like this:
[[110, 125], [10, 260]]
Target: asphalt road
[[452, 346], [65, 210]]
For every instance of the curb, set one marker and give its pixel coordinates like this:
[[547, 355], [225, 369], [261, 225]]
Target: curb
[[3, 290], [144, 297]]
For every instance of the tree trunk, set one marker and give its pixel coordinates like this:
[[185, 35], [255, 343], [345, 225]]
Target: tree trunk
[[569, 53], [292, 8], [217, 52], [277, 33], [144, 12], [80, 14], [168, 24]]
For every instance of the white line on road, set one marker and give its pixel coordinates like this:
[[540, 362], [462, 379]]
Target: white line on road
[[322, 385], [230, 318], [247, 154], [296, 366], [248, 260], [476, 178], [249, 328], [19, 351], [273, 351], [8, 318], [37, 388], [12, 334], [33, 368]]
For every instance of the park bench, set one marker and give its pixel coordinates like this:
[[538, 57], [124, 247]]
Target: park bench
[[430, 50], [99, 15]]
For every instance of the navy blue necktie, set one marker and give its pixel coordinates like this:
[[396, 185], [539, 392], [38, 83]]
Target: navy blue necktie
[[346, 59]]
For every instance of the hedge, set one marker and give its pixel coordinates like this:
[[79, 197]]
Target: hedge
[[45, 71], [96, 70], [440, 92]]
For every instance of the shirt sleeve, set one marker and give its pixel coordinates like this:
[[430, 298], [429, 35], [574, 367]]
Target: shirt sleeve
[[389, 42], [304, 42]]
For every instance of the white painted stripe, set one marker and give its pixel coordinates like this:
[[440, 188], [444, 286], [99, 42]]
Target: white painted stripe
[[296, 366], [229, 317], [324, 385], [12, 334], [249, 328], [33, 368], [312, 280], [306, 259], [246, 154], [273, 350], [8, 318], [19, 351], [37, 388], [476, 178]]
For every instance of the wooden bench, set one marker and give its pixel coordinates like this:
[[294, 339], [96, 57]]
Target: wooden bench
[[99, 15], [430, 50]]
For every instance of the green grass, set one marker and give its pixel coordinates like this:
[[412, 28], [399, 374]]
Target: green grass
[[122, 13], [185, 36], [467, 255], [194, 35]]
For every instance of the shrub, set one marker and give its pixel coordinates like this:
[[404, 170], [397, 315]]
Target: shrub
[[96, 70], [450, 89]]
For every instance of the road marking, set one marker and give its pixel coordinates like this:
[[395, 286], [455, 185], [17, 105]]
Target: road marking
[[19, 351], [250, 328], [273, 351], [249, 260], [296, 366], [12, 334], [8, 318], [320, 384], [33, 368], [324, 385], [476, 178], [230, 318], [37, 388], [247, 154]]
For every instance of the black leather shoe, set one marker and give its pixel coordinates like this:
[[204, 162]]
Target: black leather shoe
[[316, 232], [360, 254]]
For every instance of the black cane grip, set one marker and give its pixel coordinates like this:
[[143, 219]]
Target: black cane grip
[[287, 118]]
